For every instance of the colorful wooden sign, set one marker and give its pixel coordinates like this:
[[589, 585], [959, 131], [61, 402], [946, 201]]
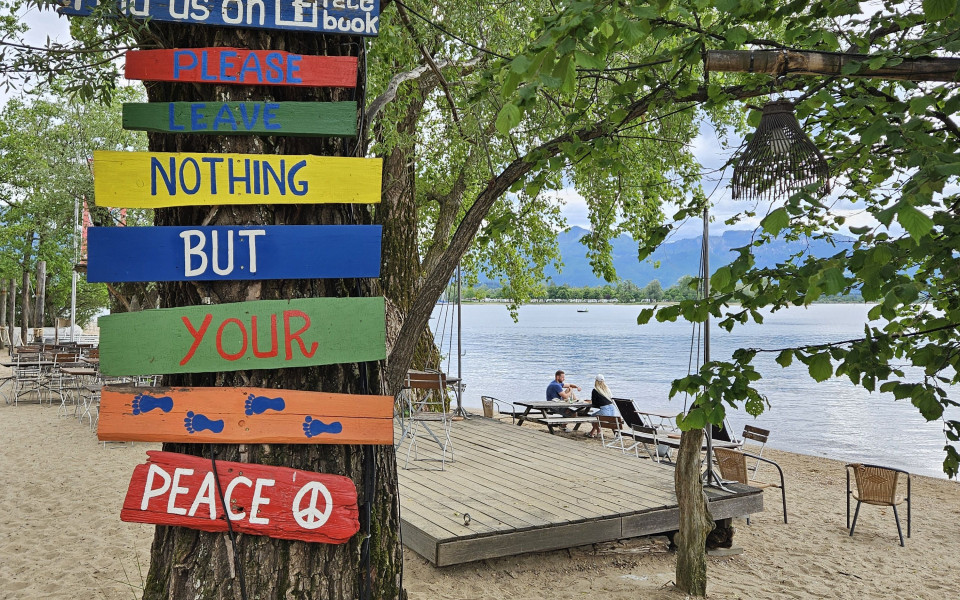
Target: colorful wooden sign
[[232, 253], [236, 66], [264, 334], [242, 416], [163, 179], [350, 17], [244, 118], [279, 502]]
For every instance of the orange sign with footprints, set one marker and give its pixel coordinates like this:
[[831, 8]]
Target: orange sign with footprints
[[242, 416]]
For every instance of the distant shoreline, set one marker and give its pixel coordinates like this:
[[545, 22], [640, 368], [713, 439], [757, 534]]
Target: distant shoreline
[[617, 303]]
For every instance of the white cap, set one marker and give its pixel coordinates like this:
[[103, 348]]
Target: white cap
[[599, 377]]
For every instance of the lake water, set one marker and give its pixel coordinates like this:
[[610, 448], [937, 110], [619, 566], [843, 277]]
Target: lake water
[[515, 361]]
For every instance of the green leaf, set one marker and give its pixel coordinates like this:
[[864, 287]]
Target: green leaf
[[520, 64], [588, 61], [832, 281], [820, 367], [785, 358], [935, 10], [720, 278], [644, 317], [775, 221], [508, 118], [914, 221], [695, 419]]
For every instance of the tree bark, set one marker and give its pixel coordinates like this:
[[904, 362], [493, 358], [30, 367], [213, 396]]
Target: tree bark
[[778, 63], [41, 293], [3, 307], [24, 304], [186, 563], [12, 310], [695, 519]]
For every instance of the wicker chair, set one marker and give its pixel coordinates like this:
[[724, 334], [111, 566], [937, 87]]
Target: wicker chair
[[878, 486], [733, 467]]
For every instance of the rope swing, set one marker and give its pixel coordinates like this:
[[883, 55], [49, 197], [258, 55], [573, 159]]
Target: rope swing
[[779, 159]]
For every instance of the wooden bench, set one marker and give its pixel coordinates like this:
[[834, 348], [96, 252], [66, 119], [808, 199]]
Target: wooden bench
[[552, 422]]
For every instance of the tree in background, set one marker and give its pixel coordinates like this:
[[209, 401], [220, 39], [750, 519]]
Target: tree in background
[[45, 144], [653, 291]]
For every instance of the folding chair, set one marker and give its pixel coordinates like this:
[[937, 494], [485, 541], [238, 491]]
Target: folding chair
[[616, 426], [733, 467], [426, 406], [878, 486], [758, 437]]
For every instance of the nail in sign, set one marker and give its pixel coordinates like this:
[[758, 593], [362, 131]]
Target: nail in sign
[[278, 502]]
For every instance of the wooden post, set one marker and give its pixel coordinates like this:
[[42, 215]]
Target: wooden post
[[40, 297], [782, 62]]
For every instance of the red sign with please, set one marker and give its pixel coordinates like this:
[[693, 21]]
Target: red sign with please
[[278, 502]]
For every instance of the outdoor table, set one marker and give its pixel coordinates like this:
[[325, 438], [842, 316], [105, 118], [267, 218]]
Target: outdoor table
[[667, 420], [547, 407]]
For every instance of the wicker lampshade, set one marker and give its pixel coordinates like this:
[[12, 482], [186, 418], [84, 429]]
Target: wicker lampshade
[[780, 159]]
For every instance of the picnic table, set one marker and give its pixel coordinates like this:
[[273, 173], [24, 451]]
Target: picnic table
[[552, 413]]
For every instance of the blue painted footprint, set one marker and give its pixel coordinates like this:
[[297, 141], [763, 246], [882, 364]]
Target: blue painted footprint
[[195, 422], [257, 405], [142, 403], [313, 428]]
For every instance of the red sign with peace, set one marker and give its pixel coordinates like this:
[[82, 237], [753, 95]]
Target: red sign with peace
[[278, 502]]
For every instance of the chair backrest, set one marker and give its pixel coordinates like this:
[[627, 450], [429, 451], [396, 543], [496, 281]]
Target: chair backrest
[[876, 485], [756, 434], [628, 410], [62, 358], [611, 422], [732, 463], [425, 380]]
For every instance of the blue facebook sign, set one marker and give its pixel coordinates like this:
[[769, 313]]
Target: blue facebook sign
[[349, 17], [116, 254]]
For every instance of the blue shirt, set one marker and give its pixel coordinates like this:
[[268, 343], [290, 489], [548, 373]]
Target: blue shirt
[[553, 390]]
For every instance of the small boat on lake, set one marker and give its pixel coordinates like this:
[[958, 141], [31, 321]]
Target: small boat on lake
[[583, 310]]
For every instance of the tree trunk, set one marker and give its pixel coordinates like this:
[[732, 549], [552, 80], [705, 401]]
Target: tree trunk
[[12, 310], [186, 563], [695, 519], [3, 308], [24, 304], [41, 293]]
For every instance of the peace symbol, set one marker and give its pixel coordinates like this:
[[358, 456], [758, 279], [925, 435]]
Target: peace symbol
[[311, 517]]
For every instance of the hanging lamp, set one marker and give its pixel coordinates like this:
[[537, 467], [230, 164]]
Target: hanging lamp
[[779, 160]]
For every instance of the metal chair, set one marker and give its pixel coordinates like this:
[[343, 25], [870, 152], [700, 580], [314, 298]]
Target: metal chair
[[878, 486], [422, 402], [757, 437], [733, 467], [489, 402]]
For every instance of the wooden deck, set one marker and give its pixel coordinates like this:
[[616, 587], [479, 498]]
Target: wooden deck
[[527, 491]]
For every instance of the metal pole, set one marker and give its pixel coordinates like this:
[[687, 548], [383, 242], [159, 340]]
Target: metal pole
[[459, 341], [73, 280], [706, 330]]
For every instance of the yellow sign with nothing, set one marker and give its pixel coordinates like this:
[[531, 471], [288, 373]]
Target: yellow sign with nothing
[[165, 179]]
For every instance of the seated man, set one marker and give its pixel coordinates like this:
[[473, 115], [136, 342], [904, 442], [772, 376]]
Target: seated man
[[557, 390]]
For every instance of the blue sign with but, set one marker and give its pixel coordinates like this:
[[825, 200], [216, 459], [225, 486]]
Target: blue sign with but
[[348, 17], [117, 254]]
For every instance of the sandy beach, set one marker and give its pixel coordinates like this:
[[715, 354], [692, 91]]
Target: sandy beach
[[61, 535]]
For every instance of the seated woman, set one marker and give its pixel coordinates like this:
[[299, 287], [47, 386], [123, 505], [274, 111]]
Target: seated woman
[[602, 400]]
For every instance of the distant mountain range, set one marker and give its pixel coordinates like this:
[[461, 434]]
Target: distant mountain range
[[676, 259]]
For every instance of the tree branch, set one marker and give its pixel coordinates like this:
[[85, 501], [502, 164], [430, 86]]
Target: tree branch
[[434, 282]]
